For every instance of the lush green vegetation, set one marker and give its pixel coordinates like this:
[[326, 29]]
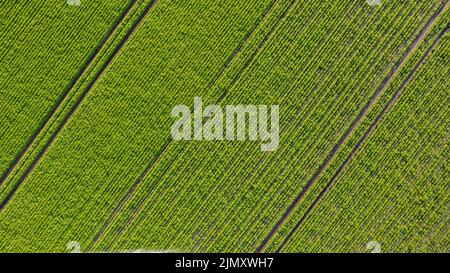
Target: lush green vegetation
[[234, 216], [70, 101], [394, 191], [172, 50], [43, 46], [105, 172], [344, 157]]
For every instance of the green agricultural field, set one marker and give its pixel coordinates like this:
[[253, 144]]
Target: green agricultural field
[[408, 204], [90, 95], [404, 208], [44, 48]]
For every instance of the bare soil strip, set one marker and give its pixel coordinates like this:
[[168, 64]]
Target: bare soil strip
[[395, 70]]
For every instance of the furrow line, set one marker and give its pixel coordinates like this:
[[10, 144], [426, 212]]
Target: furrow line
[[168, 142], [218, 101]]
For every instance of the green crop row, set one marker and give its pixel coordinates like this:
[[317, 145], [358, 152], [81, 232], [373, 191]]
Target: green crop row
[[68, 105], [395, 87], [114, 180]]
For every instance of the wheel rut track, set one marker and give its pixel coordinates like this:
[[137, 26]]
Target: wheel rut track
[[79, 101], [397, 67], [366, 135]]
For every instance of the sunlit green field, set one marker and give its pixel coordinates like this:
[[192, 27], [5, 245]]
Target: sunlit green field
[[87, 91]]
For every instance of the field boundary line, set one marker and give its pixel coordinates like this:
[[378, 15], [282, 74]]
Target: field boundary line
[[98, 75], [349, 132], [228, 63], [65, 95], [393, 100]]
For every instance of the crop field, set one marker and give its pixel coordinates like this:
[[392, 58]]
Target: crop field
[[360, 161], [419, 150]]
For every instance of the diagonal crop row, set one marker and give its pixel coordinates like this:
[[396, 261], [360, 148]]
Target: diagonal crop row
[[229, 64], [148, 192], [241, 57], [123, 123], [237, 211], [328, 174], [246, 229], [112, 179], [35, 72]]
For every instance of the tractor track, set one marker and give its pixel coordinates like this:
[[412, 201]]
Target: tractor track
[[374, 99], [366, 135]]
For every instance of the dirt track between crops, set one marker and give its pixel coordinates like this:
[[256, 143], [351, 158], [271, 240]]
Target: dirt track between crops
[[397, 67]]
